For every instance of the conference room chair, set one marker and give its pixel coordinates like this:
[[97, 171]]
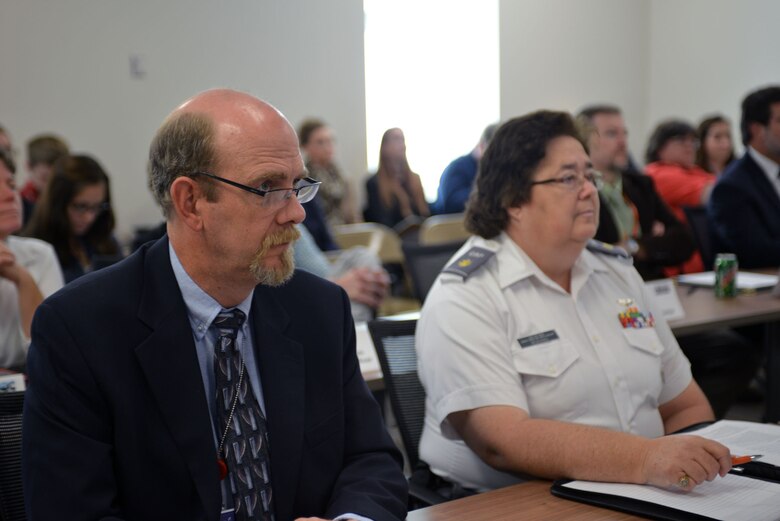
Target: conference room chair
[[702, 233], [378, 238], [440, 229], [425, 262], [11, 495], [394, 343]]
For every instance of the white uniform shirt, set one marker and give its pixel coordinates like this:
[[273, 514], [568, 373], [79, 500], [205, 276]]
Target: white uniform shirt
[[39, 259], [509, 335]]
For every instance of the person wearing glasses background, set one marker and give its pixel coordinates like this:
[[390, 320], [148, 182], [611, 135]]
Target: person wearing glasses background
[[74, 215], [140, 406], [538, 348], [29, 272]]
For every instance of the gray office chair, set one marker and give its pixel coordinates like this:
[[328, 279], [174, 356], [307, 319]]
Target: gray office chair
[[425, 262], [11, 495], [699, 223], [394, 343]]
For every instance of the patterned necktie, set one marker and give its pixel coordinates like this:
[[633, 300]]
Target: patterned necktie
[[241, 426]]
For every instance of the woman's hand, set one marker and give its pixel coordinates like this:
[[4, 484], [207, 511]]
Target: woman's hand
[[670, 459]]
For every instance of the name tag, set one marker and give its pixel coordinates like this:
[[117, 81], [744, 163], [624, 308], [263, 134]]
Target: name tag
[[228, 514], [539, 338]]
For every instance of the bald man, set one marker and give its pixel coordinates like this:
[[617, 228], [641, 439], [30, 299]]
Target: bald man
[[203, 378]]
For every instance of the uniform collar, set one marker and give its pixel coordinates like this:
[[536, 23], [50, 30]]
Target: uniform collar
[[514, 265]]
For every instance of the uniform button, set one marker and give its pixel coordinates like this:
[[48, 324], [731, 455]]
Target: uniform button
[[595, 338], [200, 328], [551, 368]]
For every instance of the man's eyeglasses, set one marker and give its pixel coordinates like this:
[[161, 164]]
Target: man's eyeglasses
[[574, 182], [82, 208], [304, 192]]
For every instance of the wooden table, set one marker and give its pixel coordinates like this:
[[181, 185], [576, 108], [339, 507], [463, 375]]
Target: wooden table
[[526, 501], [704, 312]]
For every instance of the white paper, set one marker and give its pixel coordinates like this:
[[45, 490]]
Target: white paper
[[366, 353], [743, 438], [664, 299], [12, 382], [731, 497], [745, 280]]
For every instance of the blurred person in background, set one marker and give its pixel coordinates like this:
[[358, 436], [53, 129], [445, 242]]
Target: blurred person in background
[[716, 149], [335, 195], [43, 151], [671, 162], [75, 216], [395, 193], [29, 272], [457, 179]]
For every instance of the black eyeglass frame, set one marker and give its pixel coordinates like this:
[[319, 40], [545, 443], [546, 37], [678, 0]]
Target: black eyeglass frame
[[597, 181], [311, 182]]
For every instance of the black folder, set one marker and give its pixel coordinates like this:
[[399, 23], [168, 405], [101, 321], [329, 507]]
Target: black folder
[[752, 470], [628, 505]]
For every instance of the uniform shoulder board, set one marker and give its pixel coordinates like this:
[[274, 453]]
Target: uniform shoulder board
[[469, 262], [608, 249]]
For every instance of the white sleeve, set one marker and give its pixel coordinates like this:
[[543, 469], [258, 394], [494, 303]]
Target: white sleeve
[[464, 349], [48, 275]]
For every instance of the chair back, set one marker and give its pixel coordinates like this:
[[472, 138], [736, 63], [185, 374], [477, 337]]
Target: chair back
[[440, 229], [699, 223], [11, 494], [394, 343], [425, 262], [378, 238]]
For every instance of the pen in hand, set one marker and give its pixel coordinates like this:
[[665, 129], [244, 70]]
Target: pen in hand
[[741, 460]]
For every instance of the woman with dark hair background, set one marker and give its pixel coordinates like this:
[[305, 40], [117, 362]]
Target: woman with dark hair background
[[670, 157], [395, 192], [716, 148], [74, 215]]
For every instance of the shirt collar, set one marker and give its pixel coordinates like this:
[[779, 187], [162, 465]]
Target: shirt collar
[[202, 309], [770, 168], [514, 265]]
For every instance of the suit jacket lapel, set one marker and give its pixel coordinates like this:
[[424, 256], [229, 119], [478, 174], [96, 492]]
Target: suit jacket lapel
[[282, 376], [170, 364]]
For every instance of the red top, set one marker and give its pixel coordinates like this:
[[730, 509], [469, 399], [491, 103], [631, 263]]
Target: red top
[[679, 186], [30, 192]]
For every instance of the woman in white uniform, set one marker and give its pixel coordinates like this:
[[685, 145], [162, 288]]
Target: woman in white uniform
[[537, 347]]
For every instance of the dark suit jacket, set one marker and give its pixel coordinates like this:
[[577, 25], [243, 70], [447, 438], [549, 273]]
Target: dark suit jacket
[[674, 247], [116, 423], [744, 210]]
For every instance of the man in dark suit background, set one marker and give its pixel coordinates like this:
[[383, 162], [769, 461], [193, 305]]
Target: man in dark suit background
[[133, 413], [744, 207]]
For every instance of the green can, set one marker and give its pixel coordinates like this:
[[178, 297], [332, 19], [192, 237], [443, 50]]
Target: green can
[[726, 268]]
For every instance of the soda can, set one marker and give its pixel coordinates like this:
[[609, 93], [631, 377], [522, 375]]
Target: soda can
[[726, 275]]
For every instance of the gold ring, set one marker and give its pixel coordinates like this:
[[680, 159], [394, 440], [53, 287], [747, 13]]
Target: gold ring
[[684, 481]]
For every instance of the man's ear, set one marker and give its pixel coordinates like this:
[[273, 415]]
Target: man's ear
[[186, 193]]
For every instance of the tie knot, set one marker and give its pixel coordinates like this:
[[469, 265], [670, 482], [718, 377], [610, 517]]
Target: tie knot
[[229, 322]]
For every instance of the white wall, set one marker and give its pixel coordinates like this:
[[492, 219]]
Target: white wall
[[707, 54], [565, 54], [65, 69]]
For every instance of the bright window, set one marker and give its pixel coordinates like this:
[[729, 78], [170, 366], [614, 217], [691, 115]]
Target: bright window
[[432, 69]]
